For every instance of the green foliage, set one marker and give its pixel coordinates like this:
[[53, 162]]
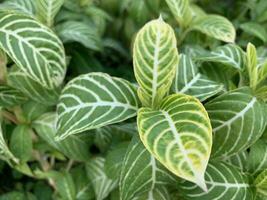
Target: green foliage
[[96, 103]]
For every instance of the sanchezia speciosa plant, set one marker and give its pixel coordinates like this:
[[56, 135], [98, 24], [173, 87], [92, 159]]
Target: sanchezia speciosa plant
[[187, 125]]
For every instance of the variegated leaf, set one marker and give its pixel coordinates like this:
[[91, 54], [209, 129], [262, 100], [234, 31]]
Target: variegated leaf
[[181, 11], [73, 31], [31, 88], [215, 26], [94, 100], [101, 183], [255, 29], [223, 181], [238, 120], [47, 10], [141, 173], [189, 80], [239, 160], [261, 185], [257, 159], [179, 135], [19, 6], [74, 147], [35, 49], [159, 193], [230, 55], [10, 97], [155, 57]]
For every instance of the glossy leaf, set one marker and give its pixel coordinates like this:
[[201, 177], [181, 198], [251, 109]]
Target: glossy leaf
[[179, 135], [35, 49], [223, 181], [101, 183], [20, 6], [73, 31], [217, 27], [238, 121], [47, 10], [75, 146], [10, 97], [189, 81], [141, 173], [155, 57], [94, 100]]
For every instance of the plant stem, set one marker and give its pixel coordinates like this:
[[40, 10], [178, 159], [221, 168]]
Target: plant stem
[[9, 116], [3, 68], [19, 115]]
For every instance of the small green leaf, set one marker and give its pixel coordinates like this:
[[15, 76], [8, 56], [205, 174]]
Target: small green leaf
[[94, 100], [261, 184], [73, 31], [10, 97], [35, 49], [21, 143], [223, 181], [141, 173], [189, 81], [155, 58], [238, 120], [179, 135], [65, 186], [181, 11], [255, 29], [47, 10], [252, 65], [101, 183], [215, 26]]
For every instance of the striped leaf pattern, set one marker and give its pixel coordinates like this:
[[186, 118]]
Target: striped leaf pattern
[[73, 31], [257, 159], [239, 160], [230, 55], [141, 173], [101, 183], [10, 97], [179, 135], [159, 193], [155, 58], [189, 80], [180, 10], [31, 88], [47, 10], [223, 181], [74, 147], [217, 27], [95, 100], [261, 185], [19, 6], [238, 121], [35, 49]]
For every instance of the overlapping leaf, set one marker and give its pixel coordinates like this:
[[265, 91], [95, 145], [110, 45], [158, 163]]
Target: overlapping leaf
[[179, 135], [216, 26], [101, 183], [261, 185], [159, 193], [255, 29], [10, 97], [35, 49], [223, 181], [75, 147], [155, 58], [94, 100], [189, 81], [73, 31], [20, 6], [238, 120], [141, 173], [47, 10], [239, 160]]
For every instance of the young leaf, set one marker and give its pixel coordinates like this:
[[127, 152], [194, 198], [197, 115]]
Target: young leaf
[[10, 97], [238, 120], [189, 81], [155, 58], [21, 142], [141, 173], [181, 11], [73, 31], [35, 49], [101, 183], [20, 6], [179, 135], [65, 186], [230, 55], [47, 10], [252, 65], [261, 184], [255, 29], [223, 181], [74, 147], [216, 26], [94, 100]]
